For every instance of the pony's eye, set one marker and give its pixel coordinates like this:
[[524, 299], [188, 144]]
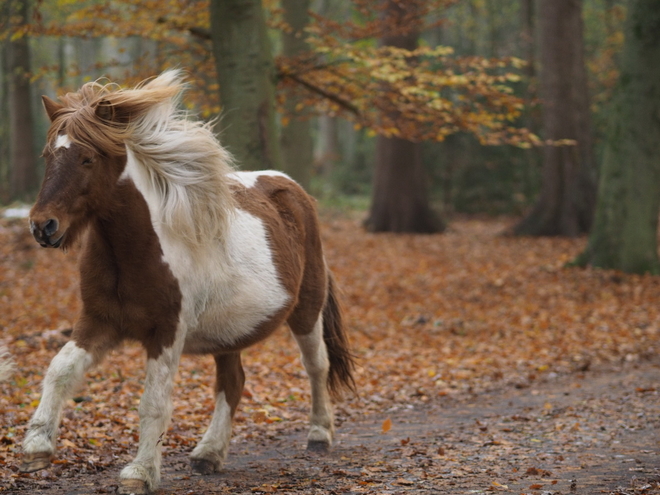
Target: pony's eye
[[87, 161]]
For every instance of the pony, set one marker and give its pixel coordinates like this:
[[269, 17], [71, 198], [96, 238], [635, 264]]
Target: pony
[[182, 253]]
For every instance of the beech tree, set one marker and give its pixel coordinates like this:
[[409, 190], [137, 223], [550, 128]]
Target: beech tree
[[624, 235], [246, 76], [568, 189], [399, 198], [296, 137]]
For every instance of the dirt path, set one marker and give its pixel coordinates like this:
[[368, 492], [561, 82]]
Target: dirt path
[[585, 433]]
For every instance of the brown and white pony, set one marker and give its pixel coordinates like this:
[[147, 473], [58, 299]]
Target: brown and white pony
[[182, 254]]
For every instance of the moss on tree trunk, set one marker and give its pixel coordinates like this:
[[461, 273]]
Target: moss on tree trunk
[[246, 75], [296, 138], [624, 235]]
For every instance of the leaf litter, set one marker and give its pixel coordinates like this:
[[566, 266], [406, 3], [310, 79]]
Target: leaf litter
[[439, 323]]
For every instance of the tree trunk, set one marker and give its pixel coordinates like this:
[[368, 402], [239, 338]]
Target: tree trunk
[[568, 187], [624, 236], [22, 161], [4, 125], [531, 115], [399, 198], [246, 75], [296, 138], [327, 152]]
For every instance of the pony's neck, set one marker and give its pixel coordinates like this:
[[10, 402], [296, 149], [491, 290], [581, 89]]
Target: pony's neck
[[126, 228]]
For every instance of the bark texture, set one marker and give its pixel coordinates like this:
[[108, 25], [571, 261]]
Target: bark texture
[[568, 188], [624, 236], [296, 137], [400, 198], [23, 179], [246, 75]]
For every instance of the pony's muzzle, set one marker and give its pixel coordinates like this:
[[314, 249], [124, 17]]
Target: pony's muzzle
[[44, 231]]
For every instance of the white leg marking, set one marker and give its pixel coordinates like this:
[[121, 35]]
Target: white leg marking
[[317, 365], [64, 374], [215, 443], [155, 412]]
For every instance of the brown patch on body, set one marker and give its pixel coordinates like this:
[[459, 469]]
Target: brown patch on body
[[289, 216], [127, 290]]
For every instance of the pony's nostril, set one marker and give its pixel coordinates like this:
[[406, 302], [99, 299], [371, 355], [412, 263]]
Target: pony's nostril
[[50, 226]]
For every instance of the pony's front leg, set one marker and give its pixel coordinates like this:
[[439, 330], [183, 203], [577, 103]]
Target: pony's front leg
[[64, 375], [143, 474]]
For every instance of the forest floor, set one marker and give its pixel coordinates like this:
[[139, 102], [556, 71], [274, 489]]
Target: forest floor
[[485, 365]]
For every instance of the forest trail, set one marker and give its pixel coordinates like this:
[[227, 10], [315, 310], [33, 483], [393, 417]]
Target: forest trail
[[587, 432]]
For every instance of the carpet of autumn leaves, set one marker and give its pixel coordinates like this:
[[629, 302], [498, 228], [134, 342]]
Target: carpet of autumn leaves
[[428, 316]]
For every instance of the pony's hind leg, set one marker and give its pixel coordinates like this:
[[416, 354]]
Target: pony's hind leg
[[316, 362], [211, 451]]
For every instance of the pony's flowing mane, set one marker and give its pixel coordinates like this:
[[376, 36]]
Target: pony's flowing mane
[[179, 161]]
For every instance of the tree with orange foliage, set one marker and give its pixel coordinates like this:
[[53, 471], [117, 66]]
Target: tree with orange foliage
[[399, 196], [410, 93]]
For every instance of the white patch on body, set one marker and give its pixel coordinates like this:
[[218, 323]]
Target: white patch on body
[[63, 141], [64, 375], [215, 443], [315, 359], [228, 289], [249, 179]]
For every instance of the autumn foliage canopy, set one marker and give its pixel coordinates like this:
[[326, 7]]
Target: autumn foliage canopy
[[421, 94]]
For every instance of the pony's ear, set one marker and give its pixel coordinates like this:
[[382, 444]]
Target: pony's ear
[[117, 113], [51, 106], [105, 111]]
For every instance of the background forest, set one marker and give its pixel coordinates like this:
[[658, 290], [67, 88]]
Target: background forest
[[50, 47], [539, 119], [520, 106]]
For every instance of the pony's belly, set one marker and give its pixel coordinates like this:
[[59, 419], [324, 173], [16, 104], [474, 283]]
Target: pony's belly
[[222, 328]]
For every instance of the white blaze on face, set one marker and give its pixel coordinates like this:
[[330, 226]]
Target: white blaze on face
[[63, 141]]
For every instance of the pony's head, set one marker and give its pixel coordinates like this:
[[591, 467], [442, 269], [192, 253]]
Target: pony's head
[[85, 153]]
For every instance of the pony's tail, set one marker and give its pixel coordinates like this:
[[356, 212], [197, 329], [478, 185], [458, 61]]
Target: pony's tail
[[6, 364], [342, 362]]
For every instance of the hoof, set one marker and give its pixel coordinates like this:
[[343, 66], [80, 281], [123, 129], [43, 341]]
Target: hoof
[[132, 487], [34, 462], [203, 466], [318, 446]]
